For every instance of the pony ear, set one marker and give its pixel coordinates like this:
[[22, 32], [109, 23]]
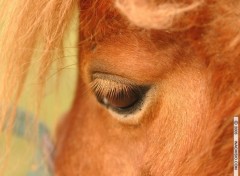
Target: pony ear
[[149, 15]]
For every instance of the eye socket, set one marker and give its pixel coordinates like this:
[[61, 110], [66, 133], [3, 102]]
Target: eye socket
[[123, 98]]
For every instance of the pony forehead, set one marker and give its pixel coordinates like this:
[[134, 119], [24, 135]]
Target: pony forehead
[[99, 18]]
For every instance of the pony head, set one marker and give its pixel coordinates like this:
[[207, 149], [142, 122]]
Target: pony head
[[158, 86]]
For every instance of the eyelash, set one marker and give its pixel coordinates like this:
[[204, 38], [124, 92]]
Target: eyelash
[[114, 92]]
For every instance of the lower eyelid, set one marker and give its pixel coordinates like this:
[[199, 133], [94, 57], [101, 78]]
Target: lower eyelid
[[135, 115]]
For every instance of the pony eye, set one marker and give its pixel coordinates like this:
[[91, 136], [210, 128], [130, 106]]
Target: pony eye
[[122, 102], [119, 95]]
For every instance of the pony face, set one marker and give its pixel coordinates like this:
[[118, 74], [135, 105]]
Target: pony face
[[133, 108], [146, 101]]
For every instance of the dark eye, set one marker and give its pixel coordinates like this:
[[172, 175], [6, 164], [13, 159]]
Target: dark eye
[[123, 101], [120, 96]]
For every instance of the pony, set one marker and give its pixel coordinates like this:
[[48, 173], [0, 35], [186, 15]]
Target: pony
[[158, 82]]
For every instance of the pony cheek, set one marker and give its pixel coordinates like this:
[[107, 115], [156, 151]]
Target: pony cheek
[[97, 143], [181, 116]]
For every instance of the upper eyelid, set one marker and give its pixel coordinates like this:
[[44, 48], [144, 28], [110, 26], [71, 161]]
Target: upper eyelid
[[113, 77], [117, 79], [111, 81], [110, 88], [106, 81], [105, 87]]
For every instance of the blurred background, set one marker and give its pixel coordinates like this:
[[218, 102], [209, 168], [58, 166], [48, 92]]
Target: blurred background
[[57, 100]]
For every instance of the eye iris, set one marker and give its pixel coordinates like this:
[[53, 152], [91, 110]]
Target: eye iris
[[123, 101]]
